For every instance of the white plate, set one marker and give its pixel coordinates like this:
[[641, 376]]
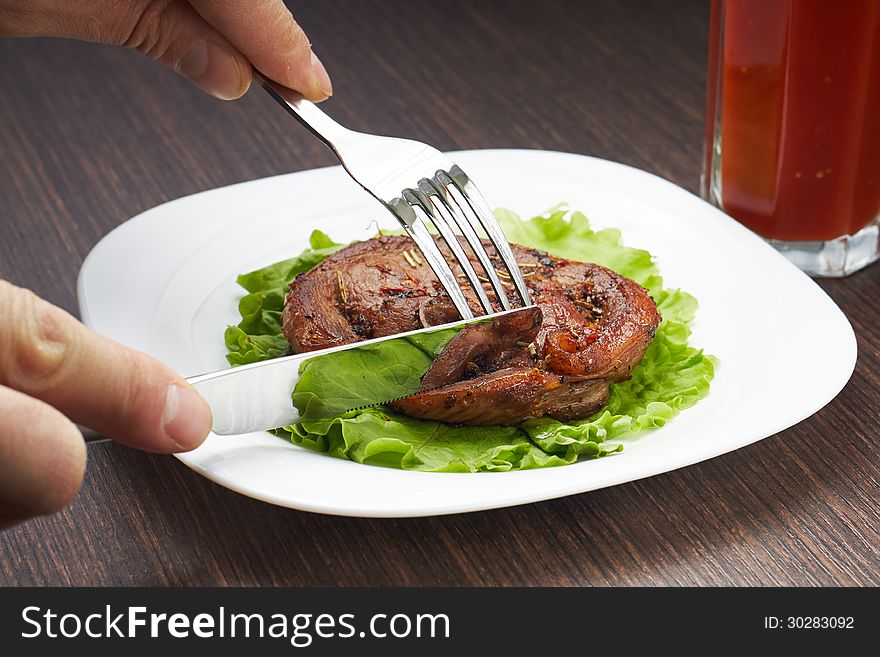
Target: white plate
[[164, 282]]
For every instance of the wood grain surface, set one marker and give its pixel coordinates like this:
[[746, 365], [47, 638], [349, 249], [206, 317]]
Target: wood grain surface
[[91, 135]]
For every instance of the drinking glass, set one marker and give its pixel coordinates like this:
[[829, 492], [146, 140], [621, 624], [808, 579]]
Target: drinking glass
[[793, 127]]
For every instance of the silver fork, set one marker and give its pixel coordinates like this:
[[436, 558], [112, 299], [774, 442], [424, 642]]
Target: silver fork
[[419, 184]]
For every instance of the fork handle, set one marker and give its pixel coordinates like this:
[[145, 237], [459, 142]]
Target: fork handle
[[304, 111]]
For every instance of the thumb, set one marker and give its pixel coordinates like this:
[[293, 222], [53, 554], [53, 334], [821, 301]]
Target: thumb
[[124, 394], [175, 35], [169, 31], [210, 42], [267, 34]]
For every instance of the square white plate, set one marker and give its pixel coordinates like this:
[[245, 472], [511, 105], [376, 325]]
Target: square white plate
[[164, 283]]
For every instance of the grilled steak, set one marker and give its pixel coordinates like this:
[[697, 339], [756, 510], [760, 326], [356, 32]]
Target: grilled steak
[[591, 328]]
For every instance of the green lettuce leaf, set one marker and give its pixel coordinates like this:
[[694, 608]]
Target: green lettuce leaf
[[331, 384], [379, 437], [258, 335], [670, 378], [568, 235], [244, 348]]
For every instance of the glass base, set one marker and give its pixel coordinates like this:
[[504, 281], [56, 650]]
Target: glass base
[[835, 258]]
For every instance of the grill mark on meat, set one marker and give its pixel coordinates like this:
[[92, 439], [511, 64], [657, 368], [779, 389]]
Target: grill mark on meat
[[595, 327]]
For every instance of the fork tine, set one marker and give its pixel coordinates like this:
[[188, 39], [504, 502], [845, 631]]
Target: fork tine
[[474, 200], [412, 218], [429, 198], [454, 211]]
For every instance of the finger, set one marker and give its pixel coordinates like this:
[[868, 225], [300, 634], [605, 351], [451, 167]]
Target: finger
[[169, 31], [267, 34], [42, 458], [124, 394]]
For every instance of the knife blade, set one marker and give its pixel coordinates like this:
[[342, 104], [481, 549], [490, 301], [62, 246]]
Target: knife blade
[[258, 396]]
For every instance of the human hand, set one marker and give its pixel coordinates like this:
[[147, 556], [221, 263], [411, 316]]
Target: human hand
[[212, 42], [53, 368]]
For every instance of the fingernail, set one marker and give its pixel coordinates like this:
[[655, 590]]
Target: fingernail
[[320, 76], [187, 418], [214, 69]]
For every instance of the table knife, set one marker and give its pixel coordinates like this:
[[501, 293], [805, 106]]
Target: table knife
[[257, 397]]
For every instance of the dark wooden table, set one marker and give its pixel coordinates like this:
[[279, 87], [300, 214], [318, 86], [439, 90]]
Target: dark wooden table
[[90, 136]]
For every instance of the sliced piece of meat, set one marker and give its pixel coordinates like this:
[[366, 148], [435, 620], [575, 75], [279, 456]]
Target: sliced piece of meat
[[596, 327], [483, 347], [508, 396], [487, 375]]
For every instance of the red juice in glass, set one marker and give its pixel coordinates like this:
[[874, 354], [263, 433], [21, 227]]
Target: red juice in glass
[[793, 126]]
